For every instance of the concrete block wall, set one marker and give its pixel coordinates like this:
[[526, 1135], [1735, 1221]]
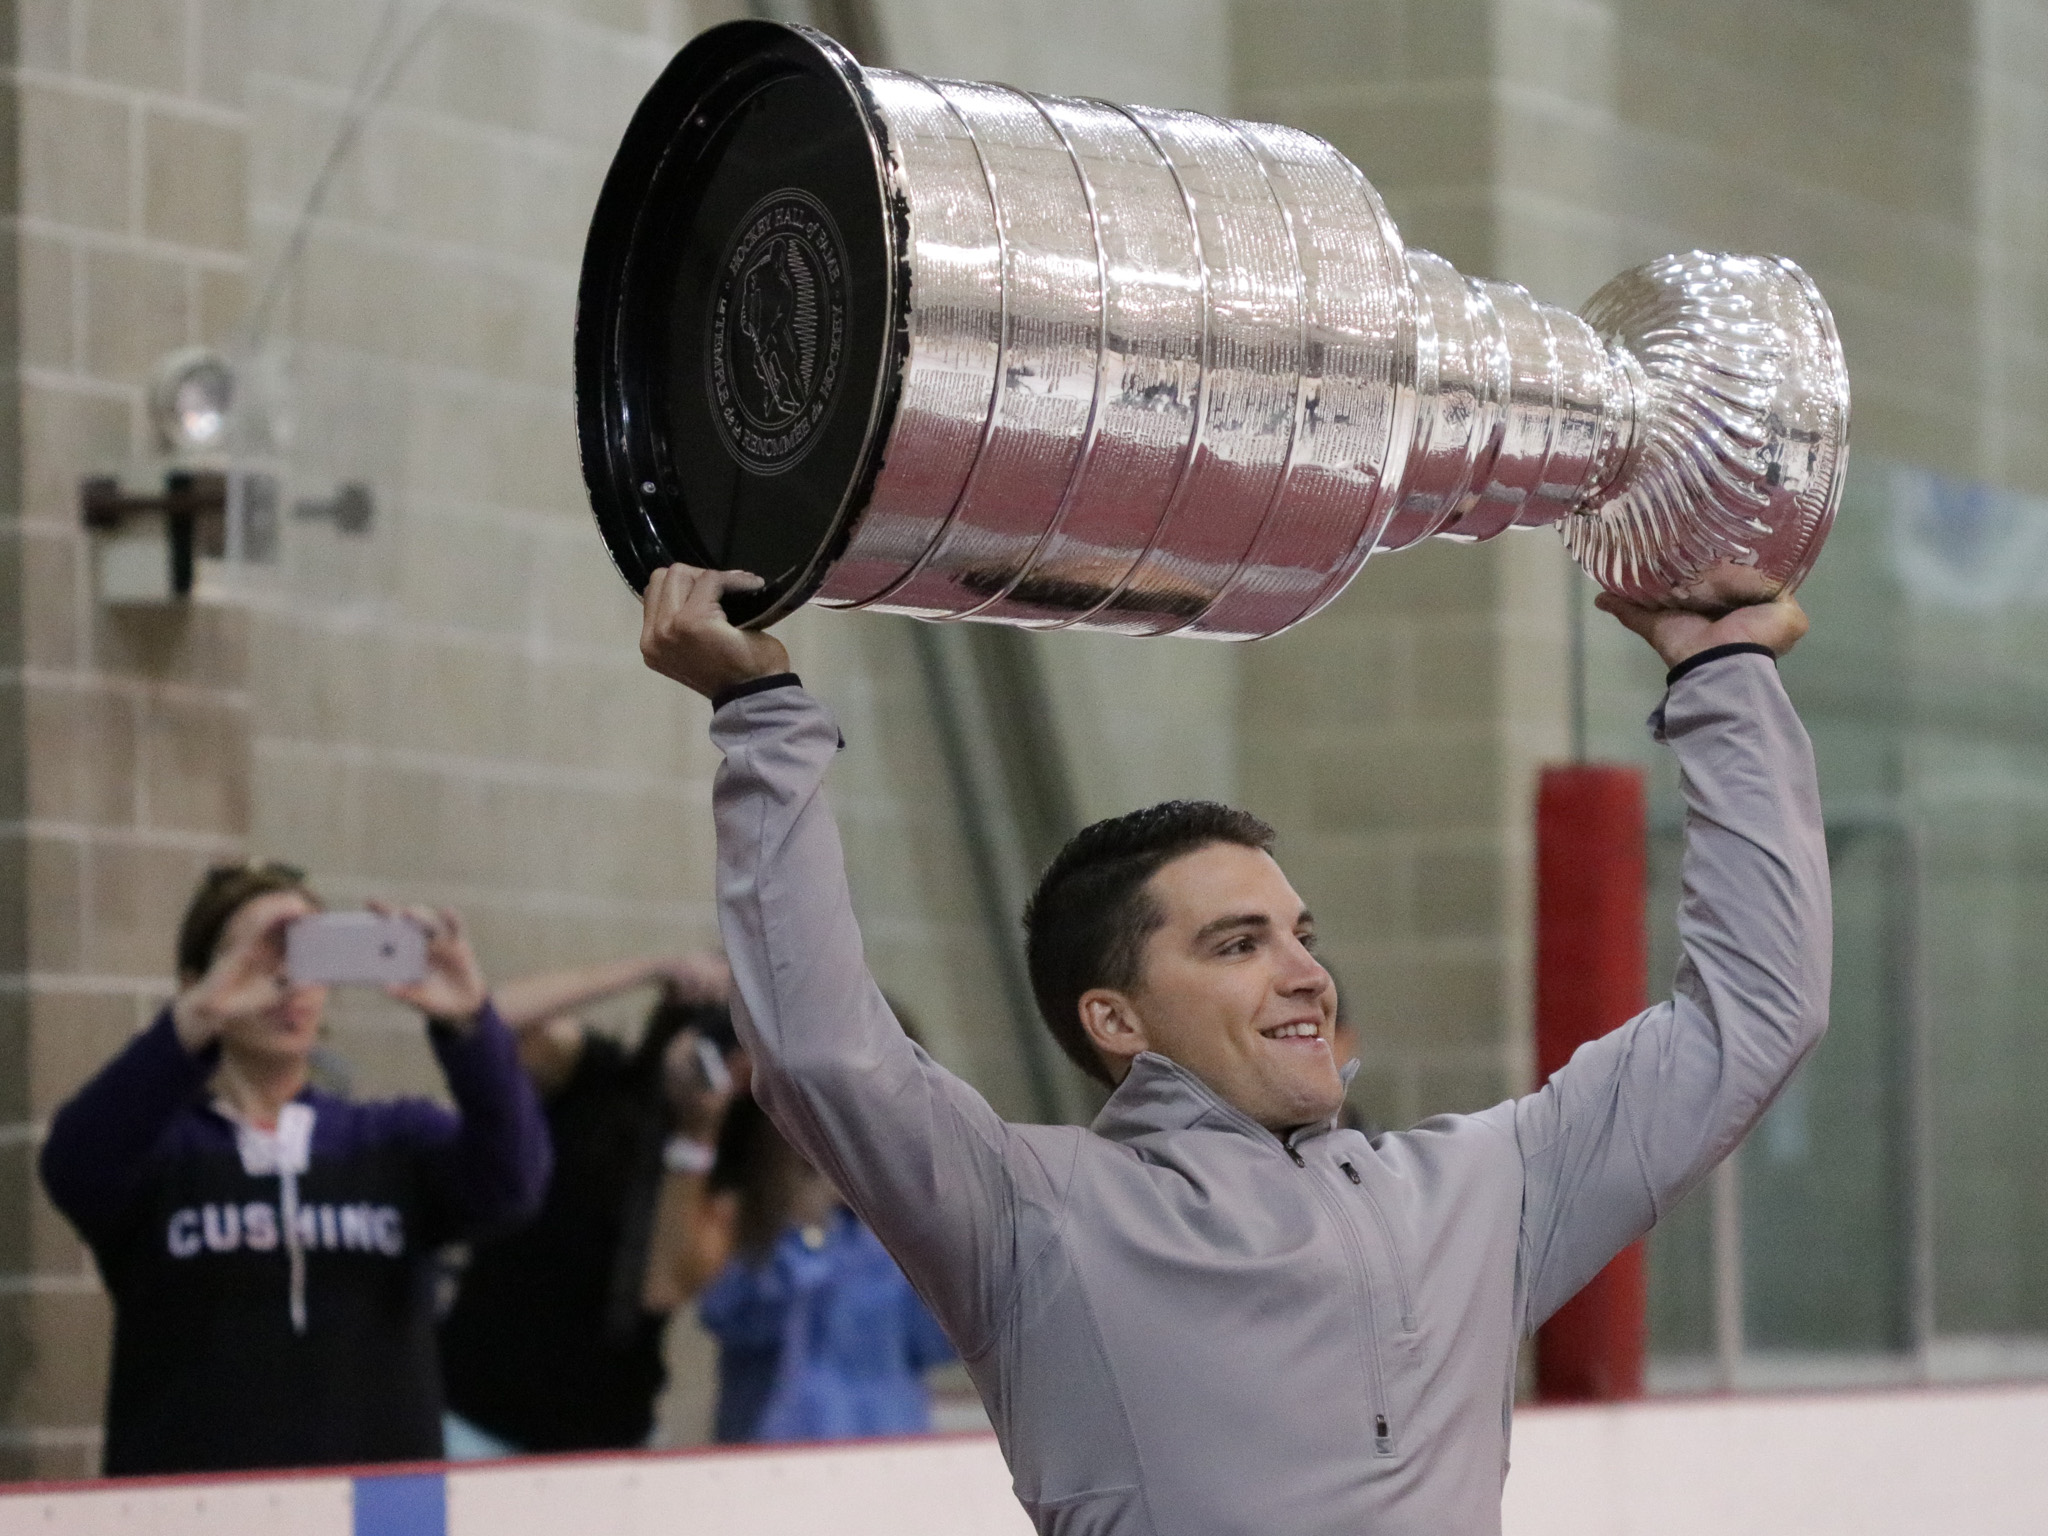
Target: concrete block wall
[[454, 707], [1852, 146], [1394, 740], [450, 709], [126, 733], [1371, 740], [1892, 151]]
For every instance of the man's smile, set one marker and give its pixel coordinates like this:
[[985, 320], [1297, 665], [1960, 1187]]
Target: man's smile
[[1297, 1029]]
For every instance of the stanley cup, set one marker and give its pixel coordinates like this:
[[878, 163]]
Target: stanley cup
[[964, 352]]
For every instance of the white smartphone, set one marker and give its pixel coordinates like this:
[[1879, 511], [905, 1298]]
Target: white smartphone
[[355, 949], [717, 1075]]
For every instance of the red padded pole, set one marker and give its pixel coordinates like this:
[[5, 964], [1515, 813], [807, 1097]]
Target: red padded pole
[[1592, 975]]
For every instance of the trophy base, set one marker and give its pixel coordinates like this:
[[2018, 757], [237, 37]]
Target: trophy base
[[1741, 432]]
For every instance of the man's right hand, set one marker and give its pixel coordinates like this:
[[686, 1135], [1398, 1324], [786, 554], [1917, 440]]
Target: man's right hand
[[1729, 605], [684, 633]]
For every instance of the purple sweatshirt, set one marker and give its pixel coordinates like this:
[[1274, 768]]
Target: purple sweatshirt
[[273, 1297]]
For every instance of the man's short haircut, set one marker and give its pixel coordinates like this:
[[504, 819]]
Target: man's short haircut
[[224, 891], [1087, 923]]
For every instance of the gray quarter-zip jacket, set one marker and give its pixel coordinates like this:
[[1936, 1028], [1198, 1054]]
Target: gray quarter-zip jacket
[[1184, 1325]]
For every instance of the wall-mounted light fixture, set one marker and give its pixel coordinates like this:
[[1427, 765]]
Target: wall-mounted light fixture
[[177, 527], [149, 544], [190, 396]]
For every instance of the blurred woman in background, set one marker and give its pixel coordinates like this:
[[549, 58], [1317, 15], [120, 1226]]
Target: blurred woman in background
[[820, 1335], [270, 1247], [555, 1339]]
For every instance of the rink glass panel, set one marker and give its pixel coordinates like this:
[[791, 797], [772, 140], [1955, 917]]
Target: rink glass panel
[[1893, 1205]]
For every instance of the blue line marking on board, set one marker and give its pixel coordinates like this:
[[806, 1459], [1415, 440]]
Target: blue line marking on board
[[405, 1504]]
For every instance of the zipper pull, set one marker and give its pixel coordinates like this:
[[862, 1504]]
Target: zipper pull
[[1382, 1437], [1299, 1160], [1351, 1173]]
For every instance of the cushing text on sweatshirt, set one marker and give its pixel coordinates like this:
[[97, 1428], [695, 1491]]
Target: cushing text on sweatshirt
[[274, 1289]]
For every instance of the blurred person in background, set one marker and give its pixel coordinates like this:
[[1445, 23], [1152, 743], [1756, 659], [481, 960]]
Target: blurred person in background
[[555, 1339], [1344, 1048], [269, 1247], [820, 1336]]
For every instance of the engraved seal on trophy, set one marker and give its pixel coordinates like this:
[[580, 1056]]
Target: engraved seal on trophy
[[961, 351], [777, 330]]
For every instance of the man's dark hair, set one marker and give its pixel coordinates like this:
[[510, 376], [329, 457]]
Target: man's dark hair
[[1087, 923], [224, 891]]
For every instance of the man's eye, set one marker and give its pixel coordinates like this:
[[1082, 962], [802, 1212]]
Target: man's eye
[[1307, 941]]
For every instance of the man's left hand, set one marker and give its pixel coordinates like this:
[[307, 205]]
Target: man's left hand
[[1747, 613], [684, 633]]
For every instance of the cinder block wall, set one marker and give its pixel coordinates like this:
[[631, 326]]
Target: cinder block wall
[[127, 734], [450, 709], [454, 707], [1891, 150], [1394, 739]]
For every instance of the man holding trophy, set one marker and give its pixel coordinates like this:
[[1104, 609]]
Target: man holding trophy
[[1212, 1310], [859, 339]]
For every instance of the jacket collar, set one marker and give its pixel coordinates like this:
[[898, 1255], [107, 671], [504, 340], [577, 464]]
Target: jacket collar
[[1159, 1095]]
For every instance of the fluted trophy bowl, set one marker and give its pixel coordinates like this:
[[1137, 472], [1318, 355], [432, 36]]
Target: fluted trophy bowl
[[964, 352]]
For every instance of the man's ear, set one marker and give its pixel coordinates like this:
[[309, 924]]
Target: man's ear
[[1114, 1027]]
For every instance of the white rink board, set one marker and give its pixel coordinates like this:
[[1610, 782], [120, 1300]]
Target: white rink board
[[947, 1487], [299, 1506], [1925, 1462], [1901, 1463]]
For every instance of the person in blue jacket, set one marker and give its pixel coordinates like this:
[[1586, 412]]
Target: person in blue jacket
[[820, 1336], [269, 1247]]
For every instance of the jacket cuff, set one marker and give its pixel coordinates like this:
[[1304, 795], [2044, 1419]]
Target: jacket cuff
[[480, 1062], [1714, 653], [456, 1033], [160, 1041], [754, 685]]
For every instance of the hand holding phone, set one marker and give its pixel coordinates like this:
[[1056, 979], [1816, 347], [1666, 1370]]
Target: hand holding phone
[[450, 988], [697, 1083], [710, 1062], [247, 975]]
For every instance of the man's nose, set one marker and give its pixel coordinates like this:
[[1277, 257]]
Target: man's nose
[[1303, 974]]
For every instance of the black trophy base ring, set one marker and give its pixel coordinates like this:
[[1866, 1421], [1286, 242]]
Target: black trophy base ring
[[739, 296]]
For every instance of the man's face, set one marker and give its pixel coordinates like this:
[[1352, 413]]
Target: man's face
[[1228, 988]]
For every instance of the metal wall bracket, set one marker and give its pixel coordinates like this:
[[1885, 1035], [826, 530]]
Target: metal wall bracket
[[193, 505]]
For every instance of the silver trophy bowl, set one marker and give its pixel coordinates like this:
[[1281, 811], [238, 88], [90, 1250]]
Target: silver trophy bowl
[[961, 351]]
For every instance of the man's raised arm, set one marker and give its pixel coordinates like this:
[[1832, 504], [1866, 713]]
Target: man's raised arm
[[1638, 1117], [914, 1150]]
